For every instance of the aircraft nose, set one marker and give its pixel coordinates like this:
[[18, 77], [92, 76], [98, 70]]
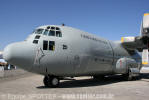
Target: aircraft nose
[[8, 53], [18, 54]]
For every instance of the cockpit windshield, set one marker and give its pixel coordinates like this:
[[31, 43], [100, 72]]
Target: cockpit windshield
[[49, 31], [39, 31], [46, 32]]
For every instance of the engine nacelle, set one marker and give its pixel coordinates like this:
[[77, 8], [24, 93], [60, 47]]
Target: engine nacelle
[[123, 64]]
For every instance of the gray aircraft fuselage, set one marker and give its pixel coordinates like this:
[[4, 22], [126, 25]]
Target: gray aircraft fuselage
[[68, 51]]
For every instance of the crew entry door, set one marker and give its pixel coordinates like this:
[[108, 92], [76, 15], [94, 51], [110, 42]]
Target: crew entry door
[[65, 57]]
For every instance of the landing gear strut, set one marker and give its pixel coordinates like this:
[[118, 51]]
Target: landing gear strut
[[128, 76], [51, 81]]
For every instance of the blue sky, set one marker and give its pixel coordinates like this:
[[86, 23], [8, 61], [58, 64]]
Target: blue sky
[[110, 19]]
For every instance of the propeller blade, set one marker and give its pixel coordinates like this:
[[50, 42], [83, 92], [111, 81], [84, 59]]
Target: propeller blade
[[145, 57], [145, 25]]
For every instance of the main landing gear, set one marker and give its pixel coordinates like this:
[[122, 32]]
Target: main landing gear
[[133, 74], [128, 76], [51, 81]]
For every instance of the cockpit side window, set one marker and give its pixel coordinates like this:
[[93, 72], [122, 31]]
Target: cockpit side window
[[35, 41], [45, 45], [51, 45], [57, 28], [39, 31], [58, 34]]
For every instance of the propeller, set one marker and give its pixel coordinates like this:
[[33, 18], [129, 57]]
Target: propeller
[[145, 25], [145, 34], [145, 57]]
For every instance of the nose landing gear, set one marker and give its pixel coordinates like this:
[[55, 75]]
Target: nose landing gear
[[51, 81]]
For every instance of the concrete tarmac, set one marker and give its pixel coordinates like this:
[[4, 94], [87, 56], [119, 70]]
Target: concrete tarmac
[[30, 87]]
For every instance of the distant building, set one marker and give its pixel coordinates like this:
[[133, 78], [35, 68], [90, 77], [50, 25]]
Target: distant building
[[6, 66], [2, 62]]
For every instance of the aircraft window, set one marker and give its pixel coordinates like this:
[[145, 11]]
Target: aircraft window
[[57, 28], [35, 41], [39, 31], [52, 33], [46, 32], [51, 45], [45, 45], [58, 34], [53, 28], [64, 46], [37, 36]]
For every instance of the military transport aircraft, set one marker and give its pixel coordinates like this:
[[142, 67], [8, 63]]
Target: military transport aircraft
[[59, 51]]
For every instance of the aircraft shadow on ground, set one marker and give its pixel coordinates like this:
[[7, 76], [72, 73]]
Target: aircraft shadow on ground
[[144, 76], [91, 82]]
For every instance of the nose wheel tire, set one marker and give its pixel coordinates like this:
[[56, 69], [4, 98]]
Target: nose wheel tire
[[128, 76], [51, 81]]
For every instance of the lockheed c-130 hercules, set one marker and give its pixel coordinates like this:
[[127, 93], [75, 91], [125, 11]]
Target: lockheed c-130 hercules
[[58, 52]]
